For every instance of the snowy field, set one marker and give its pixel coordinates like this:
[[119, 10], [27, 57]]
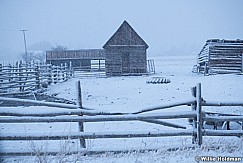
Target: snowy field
[[131, 94]]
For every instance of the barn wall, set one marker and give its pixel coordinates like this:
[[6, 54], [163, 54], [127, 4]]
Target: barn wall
[[225, 58], [138, 61], [114, 59]]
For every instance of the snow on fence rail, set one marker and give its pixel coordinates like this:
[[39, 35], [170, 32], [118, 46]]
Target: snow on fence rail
[[22, 78], [196, 114]]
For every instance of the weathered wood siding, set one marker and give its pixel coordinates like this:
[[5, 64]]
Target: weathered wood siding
[[138, 61], [221, 56], [76, 54], [114, 60]]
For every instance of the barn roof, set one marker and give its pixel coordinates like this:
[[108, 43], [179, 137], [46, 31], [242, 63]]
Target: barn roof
[[125, 36], [75, 54], [224, 41]]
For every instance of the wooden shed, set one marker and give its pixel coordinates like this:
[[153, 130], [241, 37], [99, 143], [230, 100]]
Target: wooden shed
[[221, 57], [125, 52], [79, 58]]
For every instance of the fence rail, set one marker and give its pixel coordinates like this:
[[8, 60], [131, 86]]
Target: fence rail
[[24, 77], [81, 115]]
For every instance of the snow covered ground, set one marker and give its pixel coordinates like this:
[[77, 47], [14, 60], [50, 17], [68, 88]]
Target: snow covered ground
[[131, 94]]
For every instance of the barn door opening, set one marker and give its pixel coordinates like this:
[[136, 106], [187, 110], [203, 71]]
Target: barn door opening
[[126, 62]]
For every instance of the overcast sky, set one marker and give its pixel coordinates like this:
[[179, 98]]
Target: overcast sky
[[169, 27]]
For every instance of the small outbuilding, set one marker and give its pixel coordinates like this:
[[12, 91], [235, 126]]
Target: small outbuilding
[[78, 58], [126, 52], [221, 57]]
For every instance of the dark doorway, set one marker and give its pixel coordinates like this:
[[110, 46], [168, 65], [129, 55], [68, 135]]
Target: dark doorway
[[125, 62]]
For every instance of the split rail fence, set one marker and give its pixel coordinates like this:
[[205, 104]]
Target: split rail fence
[[83, 114], [22, 78]]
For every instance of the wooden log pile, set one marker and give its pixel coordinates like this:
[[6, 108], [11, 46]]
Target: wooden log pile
[[221, 57]]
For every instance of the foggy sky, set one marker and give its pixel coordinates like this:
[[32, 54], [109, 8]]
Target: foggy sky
[[169, 27]]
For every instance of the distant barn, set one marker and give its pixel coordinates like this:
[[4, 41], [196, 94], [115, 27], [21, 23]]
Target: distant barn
[[221, 57], [125, 52]]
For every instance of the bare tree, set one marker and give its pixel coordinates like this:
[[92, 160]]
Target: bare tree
[[38, 56], [59, 48]]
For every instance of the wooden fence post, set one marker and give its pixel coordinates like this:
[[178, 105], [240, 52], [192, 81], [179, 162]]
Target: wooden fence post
[[199, 114], [49, 70], [1, 67], [80, 124], [20, 67], [61, 73], [194, 120], [71, 69], [58, 74], [37, 69], [53, 72], [65, 72]]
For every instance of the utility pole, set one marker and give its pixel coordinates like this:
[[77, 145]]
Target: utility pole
[[26, 55]]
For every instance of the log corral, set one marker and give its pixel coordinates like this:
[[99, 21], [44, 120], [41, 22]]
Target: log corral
[[221, 57]]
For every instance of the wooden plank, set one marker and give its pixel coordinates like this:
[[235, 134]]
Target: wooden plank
[[221, 103], [99, 118], [95, 135], [5, 112], [223, 133], [86, 152], [170, 105], [168, 124], [39, 103], [223, 118]]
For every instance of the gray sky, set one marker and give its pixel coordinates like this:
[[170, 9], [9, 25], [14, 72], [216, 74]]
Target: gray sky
[[170, 27]]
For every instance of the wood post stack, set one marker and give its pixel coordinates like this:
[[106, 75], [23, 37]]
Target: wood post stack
[[221, 57]]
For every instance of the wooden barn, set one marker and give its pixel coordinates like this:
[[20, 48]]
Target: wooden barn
[[78, 58], [221, 57], [125, 52]]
